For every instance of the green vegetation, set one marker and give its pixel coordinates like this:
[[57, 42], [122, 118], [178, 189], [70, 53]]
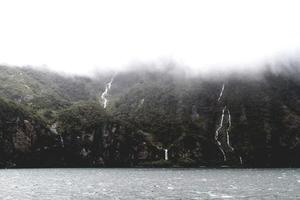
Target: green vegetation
[[148, 111], [81, 117]]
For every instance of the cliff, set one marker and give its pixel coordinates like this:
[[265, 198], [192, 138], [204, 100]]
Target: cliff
[[247, 120]]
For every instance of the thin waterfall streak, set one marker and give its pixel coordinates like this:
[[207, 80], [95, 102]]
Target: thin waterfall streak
[[221, 93], [217, 134], [223, 152], [62, 141], [166, 154], [221, 124], [227, 131], [241, 160], [104, 99]]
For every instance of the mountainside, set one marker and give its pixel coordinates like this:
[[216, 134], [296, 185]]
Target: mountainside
[[45, 91], [158, 117], [25, 139]]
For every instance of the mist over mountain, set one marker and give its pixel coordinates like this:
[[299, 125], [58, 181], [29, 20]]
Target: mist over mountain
[[138, 116], [210, 86]]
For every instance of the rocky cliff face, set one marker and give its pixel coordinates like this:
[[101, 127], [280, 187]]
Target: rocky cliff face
[[24, 137], [155, 118]]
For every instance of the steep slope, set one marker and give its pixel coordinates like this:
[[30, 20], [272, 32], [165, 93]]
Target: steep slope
[[256, 126], [25, 139], [161, 117], [44, 91]]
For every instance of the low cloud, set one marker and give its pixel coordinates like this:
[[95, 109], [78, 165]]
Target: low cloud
[[203, 37]]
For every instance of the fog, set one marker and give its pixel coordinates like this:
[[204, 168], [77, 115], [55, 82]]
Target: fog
[[83, 37]]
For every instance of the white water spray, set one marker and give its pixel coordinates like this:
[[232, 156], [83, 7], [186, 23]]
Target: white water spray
[[104, 95], [141, 103], [54, 130], [166, 154]]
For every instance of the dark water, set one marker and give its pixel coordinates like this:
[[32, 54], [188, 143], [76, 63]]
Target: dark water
[[149, 184]]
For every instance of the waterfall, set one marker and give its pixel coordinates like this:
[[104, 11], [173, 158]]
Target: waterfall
[[104, 95], [226, 112], [54, 130], [61, 141], [166, 154], [217, 134], [221, 93], [141, 103], [241, 160], [227, 131]]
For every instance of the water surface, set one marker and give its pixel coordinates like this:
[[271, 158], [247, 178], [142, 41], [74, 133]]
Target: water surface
[[126, 184]]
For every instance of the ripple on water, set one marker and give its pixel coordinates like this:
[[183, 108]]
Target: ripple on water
[[214, 195], [35, 184]]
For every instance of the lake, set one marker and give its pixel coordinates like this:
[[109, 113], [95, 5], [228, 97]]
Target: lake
[[149, 184]]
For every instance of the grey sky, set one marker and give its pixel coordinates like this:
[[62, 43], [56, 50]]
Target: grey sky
[[80, 36]]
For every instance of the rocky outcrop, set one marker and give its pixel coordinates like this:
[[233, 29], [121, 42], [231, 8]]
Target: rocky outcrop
[[22, 135]]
